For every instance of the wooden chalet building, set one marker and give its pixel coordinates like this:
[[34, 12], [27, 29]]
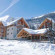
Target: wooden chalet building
[[46, 25], [32, 34], [14, 28]]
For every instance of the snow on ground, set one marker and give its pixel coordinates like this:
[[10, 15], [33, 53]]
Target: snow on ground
[[16, 47]]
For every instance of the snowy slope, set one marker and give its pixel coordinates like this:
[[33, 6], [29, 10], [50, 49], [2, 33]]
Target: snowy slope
[[15, 47]]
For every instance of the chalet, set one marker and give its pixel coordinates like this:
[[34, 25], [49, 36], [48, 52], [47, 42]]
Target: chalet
[[32, 34], [41, 32], [14, 27]]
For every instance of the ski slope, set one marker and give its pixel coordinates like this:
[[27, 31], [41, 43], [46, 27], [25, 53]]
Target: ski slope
[[16, 47]]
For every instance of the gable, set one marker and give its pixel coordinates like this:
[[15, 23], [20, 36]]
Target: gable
[[23, 22], [45, 23], [23, 33]]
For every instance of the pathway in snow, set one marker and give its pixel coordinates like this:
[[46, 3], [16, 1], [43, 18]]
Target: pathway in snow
[[14, 47]]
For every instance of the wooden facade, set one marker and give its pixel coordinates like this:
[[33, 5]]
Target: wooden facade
[[44, 24], [2, 30], [21, 24], [24, 34]]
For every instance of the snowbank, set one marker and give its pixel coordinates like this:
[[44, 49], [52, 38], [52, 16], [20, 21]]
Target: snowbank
[[14, 47]]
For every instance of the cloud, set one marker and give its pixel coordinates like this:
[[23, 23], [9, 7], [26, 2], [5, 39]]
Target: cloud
[[11, 4]]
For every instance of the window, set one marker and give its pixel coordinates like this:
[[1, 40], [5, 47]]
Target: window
[[24, 25], [7, 29], [11, 33], [12, 28], [7, 33], [17, 30]]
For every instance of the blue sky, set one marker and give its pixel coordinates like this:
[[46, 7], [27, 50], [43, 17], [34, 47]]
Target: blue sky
[[26, 8]]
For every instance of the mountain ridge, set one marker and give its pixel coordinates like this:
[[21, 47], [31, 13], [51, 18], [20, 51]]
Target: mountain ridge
[[49, 15]]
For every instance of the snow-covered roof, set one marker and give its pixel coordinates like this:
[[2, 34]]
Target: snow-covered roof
[[12, 22], [9, 23], [4, 20], [40, 31]]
